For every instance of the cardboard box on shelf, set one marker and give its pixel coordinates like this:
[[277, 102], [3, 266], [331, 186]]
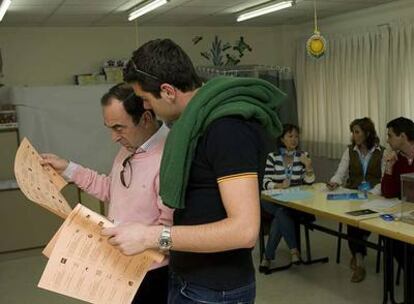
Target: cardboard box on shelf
[[114, 74], [90, 79], [8, 117]]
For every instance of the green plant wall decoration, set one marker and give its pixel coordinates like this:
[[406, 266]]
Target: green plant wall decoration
[[224, 54]]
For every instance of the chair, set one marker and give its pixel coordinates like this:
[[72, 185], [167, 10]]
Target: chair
[[265, 223], [397, 279], [302, 219], [380, 245]]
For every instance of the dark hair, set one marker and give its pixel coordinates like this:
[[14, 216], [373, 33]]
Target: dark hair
[[368, 127], [133, 104], [286, 129], [402, 125], [161, 61]]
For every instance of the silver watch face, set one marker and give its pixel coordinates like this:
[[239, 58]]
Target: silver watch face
[[165, 243]]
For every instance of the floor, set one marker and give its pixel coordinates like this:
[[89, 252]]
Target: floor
[[318, 283]]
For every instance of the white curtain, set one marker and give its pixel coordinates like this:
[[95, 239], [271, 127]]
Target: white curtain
[[350, 82], [401, 99]]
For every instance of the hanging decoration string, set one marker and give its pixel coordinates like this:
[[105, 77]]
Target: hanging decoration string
[[315, 18], [316, 44]]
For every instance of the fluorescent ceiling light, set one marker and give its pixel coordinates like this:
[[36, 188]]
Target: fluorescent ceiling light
[[152, 5], [264, 10], [3, 8]]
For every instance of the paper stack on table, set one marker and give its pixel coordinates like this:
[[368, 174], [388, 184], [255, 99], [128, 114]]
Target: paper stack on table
[[382, 205], [289, 194]]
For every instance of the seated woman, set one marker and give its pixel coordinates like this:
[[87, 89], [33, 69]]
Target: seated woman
[[286, 167], [361, 167]]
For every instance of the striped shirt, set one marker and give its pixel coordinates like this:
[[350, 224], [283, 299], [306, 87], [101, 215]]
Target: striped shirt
[[276, 171]]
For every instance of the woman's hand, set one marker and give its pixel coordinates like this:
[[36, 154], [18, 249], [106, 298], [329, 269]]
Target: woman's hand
[[306, 161], [332, 186], [283, 185]]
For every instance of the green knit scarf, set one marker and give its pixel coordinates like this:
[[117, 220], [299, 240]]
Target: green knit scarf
[[249, 98]]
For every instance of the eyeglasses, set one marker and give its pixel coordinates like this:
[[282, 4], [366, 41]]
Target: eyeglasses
[[126, 178], [144, 73], [130, 96]]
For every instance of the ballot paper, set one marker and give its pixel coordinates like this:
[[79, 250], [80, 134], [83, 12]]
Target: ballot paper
[[381, 204], [83, 265], [296, 193], [40, 184], [272, 192], [322, 187]]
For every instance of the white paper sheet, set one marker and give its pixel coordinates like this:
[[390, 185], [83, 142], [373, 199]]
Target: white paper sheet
[[381, 204], [83, 265], [40, 184]]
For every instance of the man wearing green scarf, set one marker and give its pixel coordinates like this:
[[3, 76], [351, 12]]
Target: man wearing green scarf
[[210, 173]]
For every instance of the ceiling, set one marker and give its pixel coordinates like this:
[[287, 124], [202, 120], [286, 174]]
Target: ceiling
[[52, 13]]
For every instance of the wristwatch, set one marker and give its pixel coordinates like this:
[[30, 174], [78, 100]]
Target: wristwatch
[[165, 241]]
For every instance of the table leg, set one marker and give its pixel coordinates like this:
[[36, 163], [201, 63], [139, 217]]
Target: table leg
[[408, 274], [388, 279]]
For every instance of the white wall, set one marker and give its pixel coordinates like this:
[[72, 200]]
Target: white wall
[[51, 56]]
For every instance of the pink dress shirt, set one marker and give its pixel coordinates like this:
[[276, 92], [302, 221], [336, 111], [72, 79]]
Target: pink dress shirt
[[141, 201]]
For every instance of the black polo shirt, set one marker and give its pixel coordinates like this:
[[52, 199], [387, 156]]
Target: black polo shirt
[[230, 146]]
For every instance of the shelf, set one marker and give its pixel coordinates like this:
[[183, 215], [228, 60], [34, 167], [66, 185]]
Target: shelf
[[7, 185], [7, 112], [9, 126]]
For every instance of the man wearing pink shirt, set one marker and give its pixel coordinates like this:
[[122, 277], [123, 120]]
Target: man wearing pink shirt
[[131, 189]]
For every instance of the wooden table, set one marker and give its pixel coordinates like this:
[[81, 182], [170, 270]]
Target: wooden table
[[336, 210], [401, 231], [330, 209]]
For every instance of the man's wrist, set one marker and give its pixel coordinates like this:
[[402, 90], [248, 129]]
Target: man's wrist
[[158, 237], [70, 171], [165, 239], [152, 237]]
